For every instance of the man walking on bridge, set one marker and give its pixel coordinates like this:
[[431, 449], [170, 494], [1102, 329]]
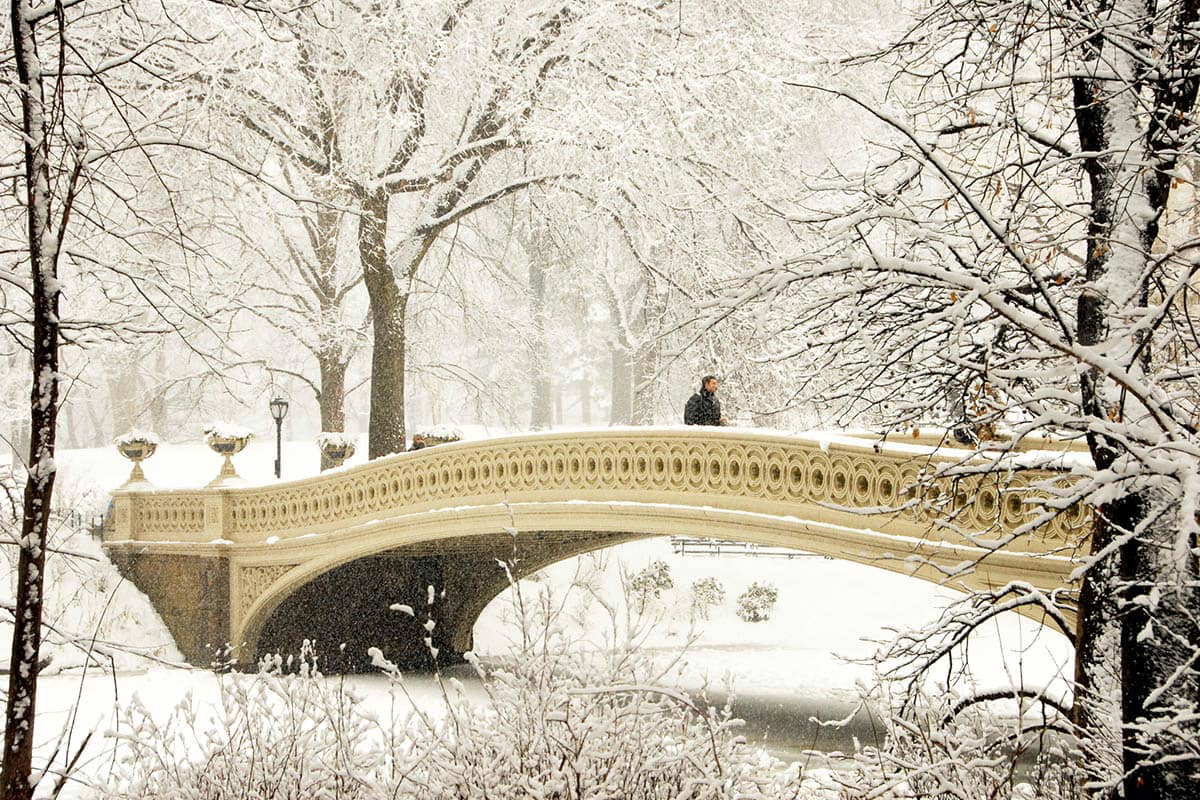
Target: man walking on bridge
[[704, 408]]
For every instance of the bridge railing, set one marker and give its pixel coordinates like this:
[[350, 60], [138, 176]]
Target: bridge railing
[[693, 546], [842, 479]]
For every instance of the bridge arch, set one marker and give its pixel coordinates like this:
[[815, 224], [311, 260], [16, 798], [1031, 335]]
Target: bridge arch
[[846, 497], [469, 541]]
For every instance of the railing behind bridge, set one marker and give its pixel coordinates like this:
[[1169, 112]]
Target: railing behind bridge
[[693, 546]]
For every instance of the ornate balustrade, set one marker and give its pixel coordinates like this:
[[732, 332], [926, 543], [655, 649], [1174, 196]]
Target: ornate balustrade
[[835, 479]]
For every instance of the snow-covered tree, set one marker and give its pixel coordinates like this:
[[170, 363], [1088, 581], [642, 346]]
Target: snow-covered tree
[[304, 286], [994, 261], [422, 115], [90, 217]]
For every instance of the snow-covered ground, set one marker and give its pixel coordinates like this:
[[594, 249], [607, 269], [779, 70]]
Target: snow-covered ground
[[828, 616], [802, 661]]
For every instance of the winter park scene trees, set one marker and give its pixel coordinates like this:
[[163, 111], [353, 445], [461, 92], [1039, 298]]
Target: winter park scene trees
[[601, 399]]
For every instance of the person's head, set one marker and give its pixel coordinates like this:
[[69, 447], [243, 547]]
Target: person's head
[[418, 437], [709, 383]]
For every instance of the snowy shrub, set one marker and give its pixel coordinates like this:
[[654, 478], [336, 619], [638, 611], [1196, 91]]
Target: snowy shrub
[[91, 615], [556, 722], [327, 440], [756, 603], [274, 736], [707, 593], [447, 432], [946, 746], [649, 584]]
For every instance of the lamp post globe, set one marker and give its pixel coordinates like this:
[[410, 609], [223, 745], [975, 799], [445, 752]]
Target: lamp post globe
[[279, 409]]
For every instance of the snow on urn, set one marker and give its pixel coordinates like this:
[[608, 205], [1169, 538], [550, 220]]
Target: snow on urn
[[441, 434], [336, 446], [137, 446], [226, 440]]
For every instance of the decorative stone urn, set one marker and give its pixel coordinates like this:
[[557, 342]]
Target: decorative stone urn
[[137, 446], [336, 446], [226, 440], [440, 434]]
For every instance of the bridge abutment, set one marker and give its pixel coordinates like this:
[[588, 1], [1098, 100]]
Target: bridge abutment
[[190, 593]]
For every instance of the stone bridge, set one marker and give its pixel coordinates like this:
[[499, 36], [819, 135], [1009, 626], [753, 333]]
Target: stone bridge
[[261, 568]]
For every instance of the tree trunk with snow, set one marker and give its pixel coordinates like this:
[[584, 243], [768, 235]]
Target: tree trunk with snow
[[585, 399], [158, 403], [16, 775], [646, 364], [124, 385], [332, 396], [389, 306], [621, 385], [1154, 589]]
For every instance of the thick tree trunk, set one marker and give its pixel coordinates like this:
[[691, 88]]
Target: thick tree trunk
[[1098, 641], [332, 397], [19, 440], [648, 359], [1153, 592], [16, 774], [389, 307], [1159, 636], [97, 423], [643, 387], [70, 428], [123, 386], [1098, 668], [541, 412]]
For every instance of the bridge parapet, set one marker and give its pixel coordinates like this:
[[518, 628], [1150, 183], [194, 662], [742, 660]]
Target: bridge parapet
[[841, 477]]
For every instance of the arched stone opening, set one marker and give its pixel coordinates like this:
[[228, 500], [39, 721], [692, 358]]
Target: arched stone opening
[[348, 609]]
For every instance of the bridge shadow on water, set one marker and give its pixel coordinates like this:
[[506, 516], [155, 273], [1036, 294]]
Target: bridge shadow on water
[[340, 614]]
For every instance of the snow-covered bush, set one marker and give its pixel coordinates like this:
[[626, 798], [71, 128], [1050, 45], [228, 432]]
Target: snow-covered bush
[[275, 736], [92, 616], [649, 584], [707, 593], [757, 602], [556, 722], [439, 434], [945, 745]]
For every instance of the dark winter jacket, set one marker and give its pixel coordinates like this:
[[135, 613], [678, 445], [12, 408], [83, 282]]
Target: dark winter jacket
[[702, 409]]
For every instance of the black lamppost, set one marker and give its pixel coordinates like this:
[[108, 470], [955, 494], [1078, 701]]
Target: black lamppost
[[279, 408]]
